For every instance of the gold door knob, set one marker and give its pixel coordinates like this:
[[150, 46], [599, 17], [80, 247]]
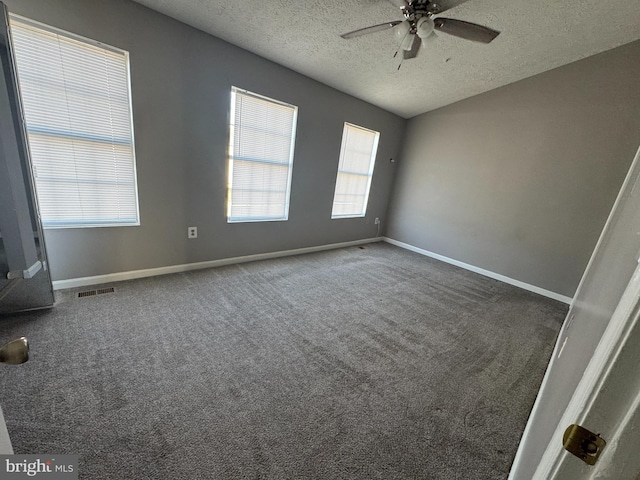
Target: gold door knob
[[15, 352]]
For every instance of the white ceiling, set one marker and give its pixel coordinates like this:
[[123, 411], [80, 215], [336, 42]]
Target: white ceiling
[[537, 35]]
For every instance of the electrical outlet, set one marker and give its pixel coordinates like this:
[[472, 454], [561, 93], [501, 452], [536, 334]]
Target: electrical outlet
[[377, 221], [192, 232]]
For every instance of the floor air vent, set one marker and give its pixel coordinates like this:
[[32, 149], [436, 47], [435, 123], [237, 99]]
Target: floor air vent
[[100, 291]]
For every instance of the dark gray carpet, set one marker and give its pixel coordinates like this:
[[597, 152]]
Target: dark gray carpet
[[360, 363]]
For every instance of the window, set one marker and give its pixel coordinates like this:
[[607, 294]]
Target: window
[[261, 142], [355, 169], [75, 96]]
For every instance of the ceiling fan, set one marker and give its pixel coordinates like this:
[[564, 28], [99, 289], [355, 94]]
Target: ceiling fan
[[420, 24]]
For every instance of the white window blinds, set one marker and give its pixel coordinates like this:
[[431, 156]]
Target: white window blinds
[[75, 96], [261, 144], [355, 169]]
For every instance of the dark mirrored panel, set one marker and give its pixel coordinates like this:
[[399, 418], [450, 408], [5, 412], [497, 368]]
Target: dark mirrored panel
[[25, 282]]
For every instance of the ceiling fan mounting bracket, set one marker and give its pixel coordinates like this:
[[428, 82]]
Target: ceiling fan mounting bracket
[[414, 11]]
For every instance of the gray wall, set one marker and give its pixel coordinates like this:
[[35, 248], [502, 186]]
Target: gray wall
[[520, 180], [181, 79]]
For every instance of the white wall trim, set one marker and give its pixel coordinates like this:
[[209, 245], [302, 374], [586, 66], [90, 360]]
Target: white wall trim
[[482, 271], [151, 272]]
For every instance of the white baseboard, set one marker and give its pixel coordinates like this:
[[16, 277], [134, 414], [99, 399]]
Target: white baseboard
[[482, 271], [152, 272]]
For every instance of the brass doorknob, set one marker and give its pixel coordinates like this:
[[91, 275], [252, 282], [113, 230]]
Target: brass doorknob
[[15, 352]]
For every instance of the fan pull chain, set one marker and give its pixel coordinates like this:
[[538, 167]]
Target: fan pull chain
[[399, 48], [395, 55]]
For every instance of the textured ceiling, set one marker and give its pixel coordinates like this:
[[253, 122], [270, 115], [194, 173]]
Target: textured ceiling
[[305, 36]]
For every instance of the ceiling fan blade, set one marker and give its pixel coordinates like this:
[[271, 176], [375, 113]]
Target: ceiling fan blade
[[372, 29], [439, 6], [466, 30], [415, 47], [398, 3]]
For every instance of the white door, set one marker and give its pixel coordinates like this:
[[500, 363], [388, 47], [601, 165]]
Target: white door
[[24, 280], [607, 399], [585, 359], [5, 443]]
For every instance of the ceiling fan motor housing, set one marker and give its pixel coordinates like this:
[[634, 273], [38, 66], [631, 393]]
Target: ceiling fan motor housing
[[415, 11]]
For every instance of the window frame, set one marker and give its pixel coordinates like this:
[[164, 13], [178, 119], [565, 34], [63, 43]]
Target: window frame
[[230, 157], [369, 174], [65, 224]]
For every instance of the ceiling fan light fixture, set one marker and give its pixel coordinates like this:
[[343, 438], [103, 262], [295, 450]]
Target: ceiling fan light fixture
[[407, 43], [425, 27], [401, 30], [429, 39]]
